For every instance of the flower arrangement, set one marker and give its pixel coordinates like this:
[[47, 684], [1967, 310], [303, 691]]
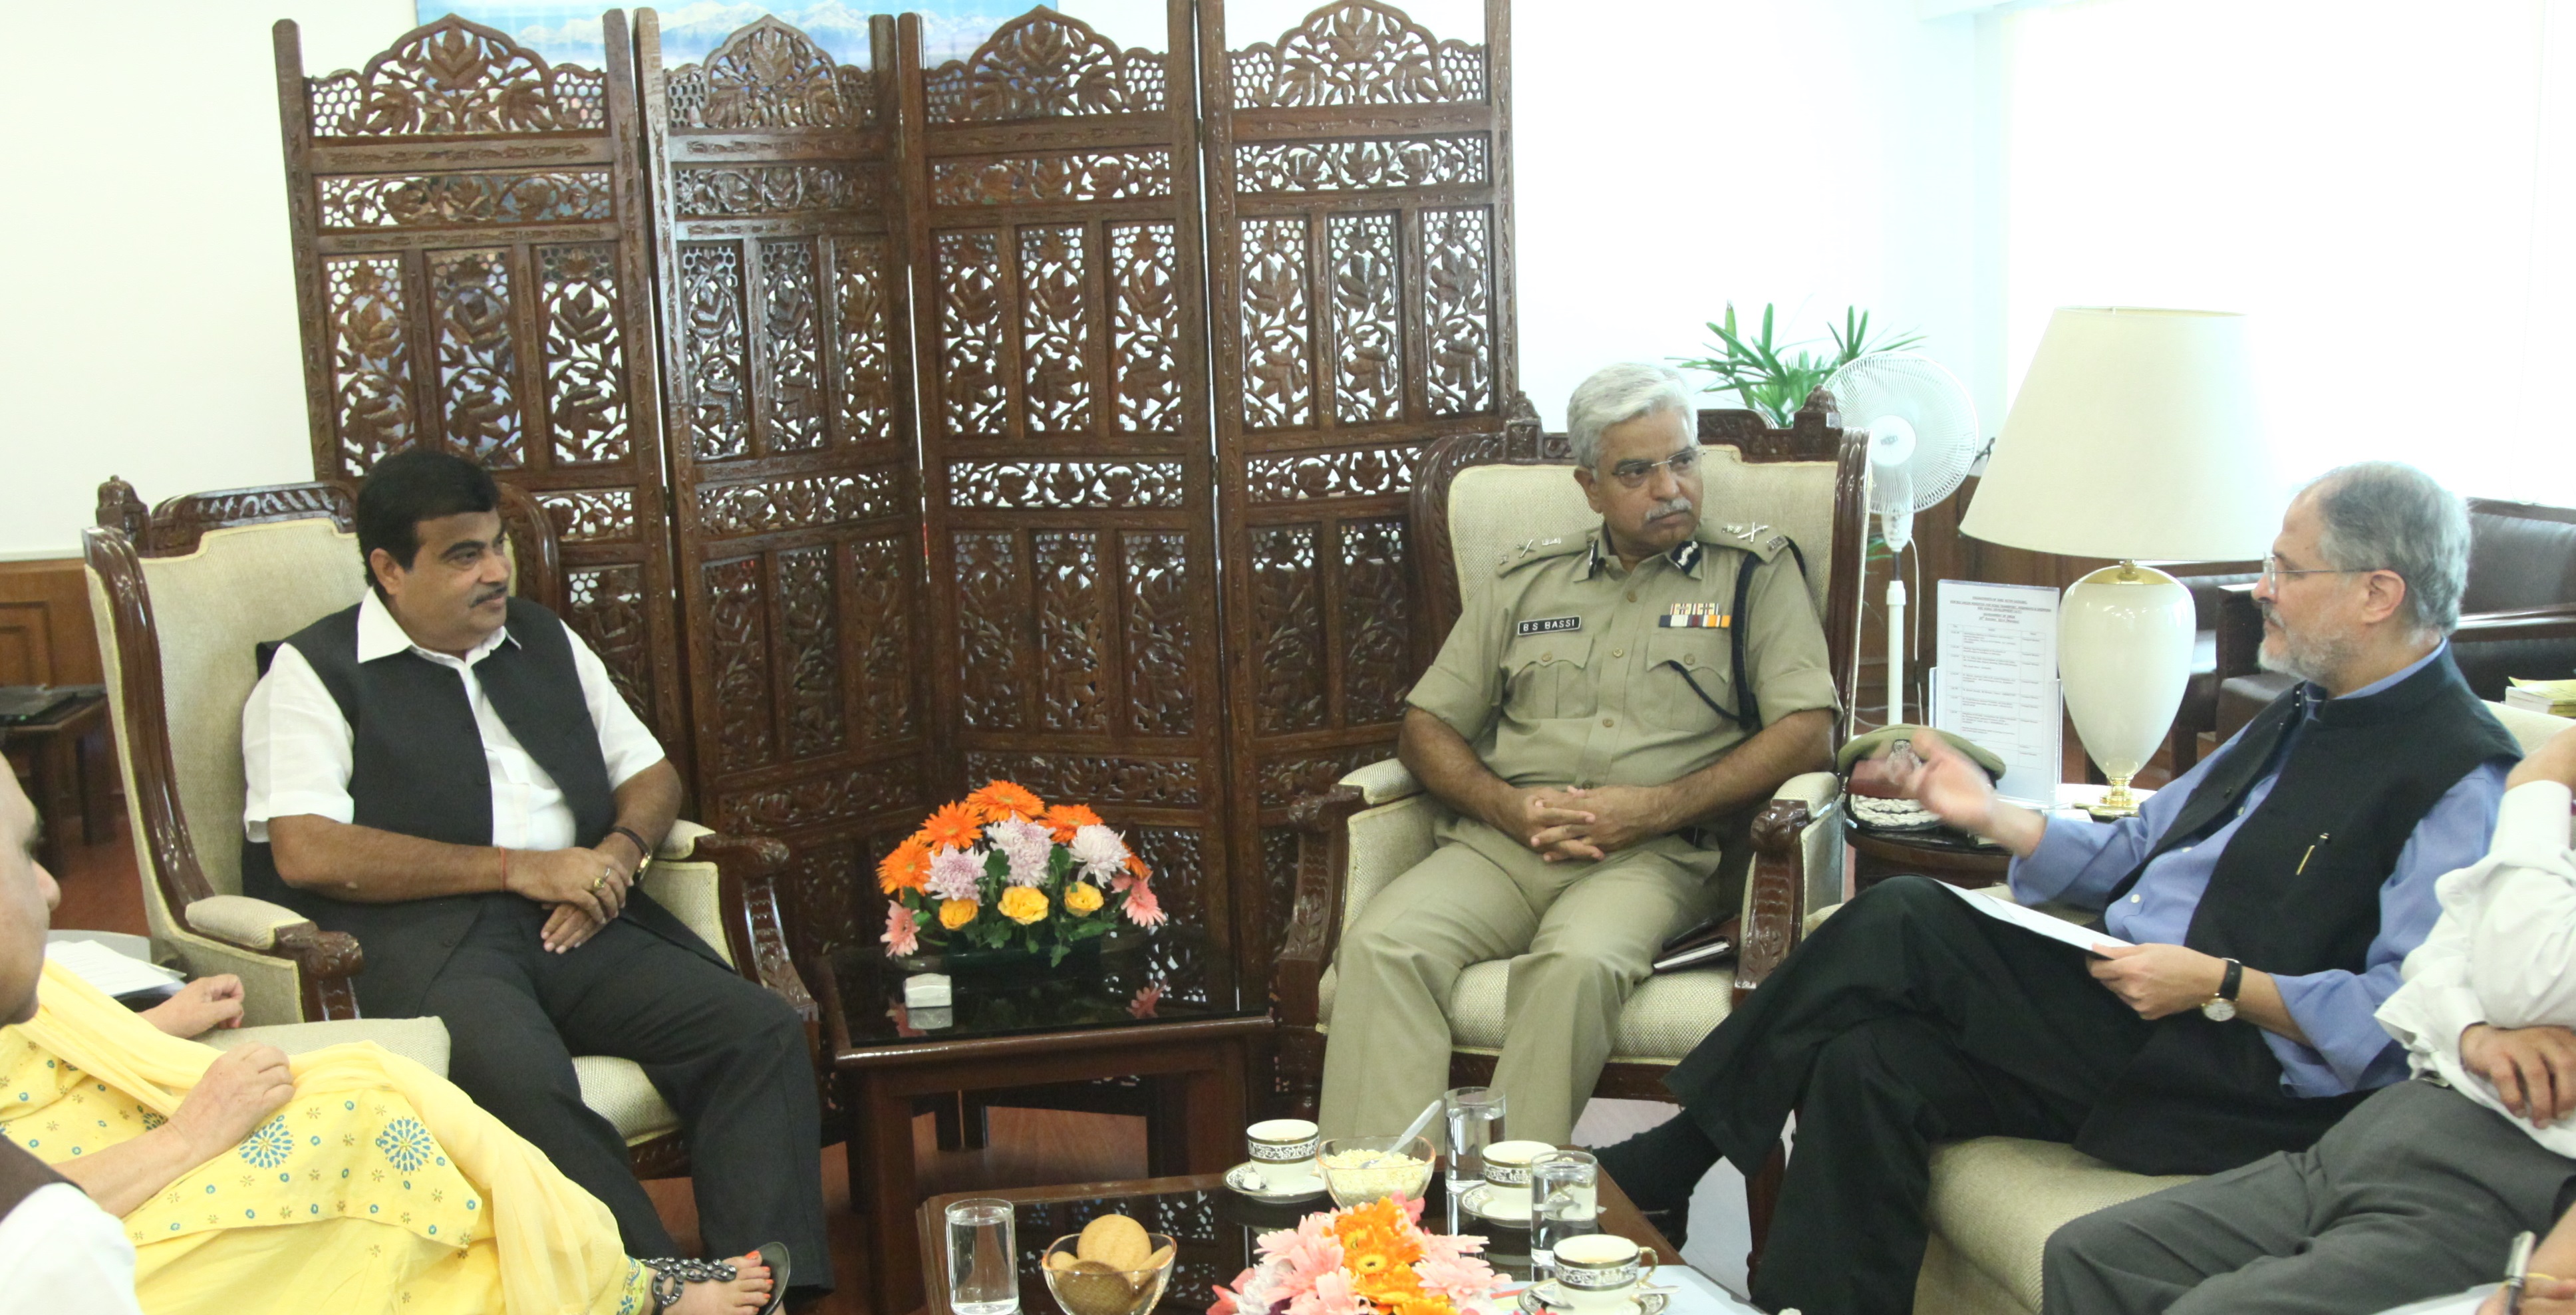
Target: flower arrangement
[[1001, 868], [1372, 1259]]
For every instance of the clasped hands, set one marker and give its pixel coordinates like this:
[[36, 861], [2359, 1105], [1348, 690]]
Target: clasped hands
[[585, 888], [1571, 824]]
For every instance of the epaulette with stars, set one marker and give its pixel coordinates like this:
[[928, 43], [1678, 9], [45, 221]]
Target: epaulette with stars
[[1538, 550]]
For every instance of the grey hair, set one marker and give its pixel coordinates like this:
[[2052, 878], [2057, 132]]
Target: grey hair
[[1617, 394], [2389, 516]]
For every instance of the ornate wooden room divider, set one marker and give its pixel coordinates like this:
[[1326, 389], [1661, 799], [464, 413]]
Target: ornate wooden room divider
[[472, 271], [1164, 438]]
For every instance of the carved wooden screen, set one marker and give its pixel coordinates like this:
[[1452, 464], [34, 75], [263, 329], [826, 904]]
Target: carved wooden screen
[[1054, 206], [788, 382], [471, 267], [1360, 246]]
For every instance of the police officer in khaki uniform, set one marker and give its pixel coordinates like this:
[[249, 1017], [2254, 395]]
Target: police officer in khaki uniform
[[1585, 722]]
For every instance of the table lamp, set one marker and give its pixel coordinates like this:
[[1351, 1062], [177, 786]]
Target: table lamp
[[2136, 435]]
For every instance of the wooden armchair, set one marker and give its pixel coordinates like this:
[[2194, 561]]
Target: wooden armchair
[[1478, 493], [180, 596]]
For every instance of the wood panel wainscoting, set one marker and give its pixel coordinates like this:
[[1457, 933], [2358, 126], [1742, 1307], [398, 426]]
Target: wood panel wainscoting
[[45, 639]]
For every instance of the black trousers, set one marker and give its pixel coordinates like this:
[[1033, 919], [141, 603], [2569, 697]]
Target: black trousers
[[1907, 1019], [729, 1056]]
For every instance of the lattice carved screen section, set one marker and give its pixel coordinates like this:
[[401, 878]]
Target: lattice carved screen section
[[1054, 212], [472, 270], [786, 368], [1359, 226]]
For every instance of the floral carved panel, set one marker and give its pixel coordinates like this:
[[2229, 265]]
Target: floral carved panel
[[606, 607], [810, 651], [370, 358], [1067, 484], [799, 502], [713, 350], [1053, 178], [992, 585], [880, 573], [1055, 324], [768, 75], [557, 196], [1376, 622], [1144, 328], [1072, 635], [1161, 698], [1286, 778], [1044, 65], [744, 191], [591, 515], [1368, 327], [867, 371], [792, 346], [1278, 331], [1357, 52], [1373, 472], [461, 78], [1096, 778], [1287, 629], [823, 800], [1179, 859], [970, 332], [477, 368], [1363, 165], [738, 646], [1458, 309], [585, 359]]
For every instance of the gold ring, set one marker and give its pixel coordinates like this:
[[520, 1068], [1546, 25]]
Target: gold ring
[[600, 880]]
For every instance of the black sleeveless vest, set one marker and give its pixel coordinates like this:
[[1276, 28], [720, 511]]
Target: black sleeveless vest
[[2296, 892], [417, 769]]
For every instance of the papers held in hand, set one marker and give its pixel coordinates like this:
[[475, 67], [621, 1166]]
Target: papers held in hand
[[134, 983], [2056, 929], [1711, 942]]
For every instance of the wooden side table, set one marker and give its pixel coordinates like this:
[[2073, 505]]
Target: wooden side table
[[71, 759], [1949, 856]]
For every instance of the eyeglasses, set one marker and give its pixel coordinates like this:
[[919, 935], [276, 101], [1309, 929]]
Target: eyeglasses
[[1634, 474], [2273, 574]]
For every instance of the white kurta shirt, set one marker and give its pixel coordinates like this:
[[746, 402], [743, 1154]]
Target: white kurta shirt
[[2503, 953], [297, 755], [61, 1254]]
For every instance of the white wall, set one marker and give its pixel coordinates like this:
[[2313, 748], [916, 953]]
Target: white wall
[[149, 328]]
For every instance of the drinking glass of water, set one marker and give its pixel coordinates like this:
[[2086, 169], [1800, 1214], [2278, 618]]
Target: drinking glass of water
[[1564, 1201], [1475, 1122], [983, 1271]]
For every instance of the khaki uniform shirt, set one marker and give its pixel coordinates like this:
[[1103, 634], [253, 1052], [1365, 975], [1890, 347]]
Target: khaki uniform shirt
[[1574, 670]]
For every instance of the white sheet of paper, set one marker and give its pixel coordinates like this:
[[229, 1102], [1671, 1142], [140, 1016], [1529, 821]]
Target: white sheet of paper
[[1997, 681], [107, 970], [2055, 929]]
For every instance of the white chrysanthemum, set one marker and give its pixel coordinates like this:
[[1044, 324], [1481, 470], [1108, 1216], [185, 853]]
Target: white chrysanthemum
[[953, 872], [1100, 851], [1026, 846]]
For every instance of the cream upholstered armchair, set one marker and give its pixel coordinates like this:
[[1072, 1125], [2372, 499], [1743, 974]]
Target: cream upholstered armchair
[[180, 598], [1478, 495], [1995, 1200]]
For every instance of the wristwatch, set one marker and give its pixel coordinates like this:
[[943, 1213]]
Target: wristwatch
[[2222, 1006]]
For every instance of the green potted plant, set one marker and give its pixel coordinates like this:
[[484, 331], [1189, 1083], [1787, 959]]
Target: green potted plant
[[1771, 377]]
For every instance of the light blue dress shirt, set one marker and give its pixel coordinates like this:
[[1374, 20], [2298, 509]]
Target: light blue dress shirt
[[2078, 862]]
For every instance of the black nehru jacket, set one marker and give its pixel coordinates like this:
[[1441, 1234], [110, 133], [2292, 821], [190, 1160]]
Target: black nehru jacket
[[417, 769], [2296, 892]]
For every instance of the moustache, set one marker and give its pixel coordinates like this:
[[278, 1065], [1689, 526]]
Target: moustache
[[502, 591], [1676, 507]]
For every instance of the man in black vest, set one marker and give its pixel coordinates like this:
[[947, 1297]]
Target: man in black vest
[[2271, 894], [448, 773]]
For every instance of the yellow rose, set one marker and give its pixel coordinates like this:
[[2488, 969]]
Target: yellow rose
[[956, 913], [1024, 904], [1082, 897]]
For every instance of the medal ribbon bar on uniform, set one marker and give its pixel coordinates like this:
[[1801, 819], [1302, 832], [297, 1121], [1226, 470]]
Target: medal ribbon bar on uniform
[[1694, 616]]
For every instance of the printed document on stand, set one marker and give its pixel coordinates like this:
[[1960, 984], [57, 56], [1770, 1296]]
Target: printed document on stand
[[1997, 682]]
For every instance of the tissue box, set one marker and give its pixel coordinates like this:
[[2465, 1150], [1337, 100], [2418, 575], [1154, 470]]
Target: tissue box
[[926, 991]]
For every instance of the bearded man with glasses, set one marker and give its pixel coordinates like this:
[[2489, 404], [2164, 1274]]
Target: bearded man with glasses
[[1603, 751]]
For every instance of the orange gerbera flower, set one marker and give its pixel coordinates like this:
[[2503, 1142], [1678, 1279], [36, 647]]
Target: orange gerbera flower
[[907, 868], [1001, 799], [954, 825], [1136, 867], [1065, 819]]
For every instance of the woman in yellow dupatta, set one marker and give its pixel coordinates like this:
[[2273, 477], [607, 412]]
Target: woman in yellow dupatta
[[368, 1184]]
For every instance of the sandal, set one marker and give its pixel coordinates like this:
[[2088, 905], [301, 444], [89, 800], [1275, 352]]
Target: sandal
[[671, 1277]]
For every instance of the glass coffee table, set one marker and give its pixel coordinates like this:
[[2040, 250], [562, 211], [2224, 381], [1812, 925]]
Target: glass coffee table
[[1166, 1007], [1214, 1228]]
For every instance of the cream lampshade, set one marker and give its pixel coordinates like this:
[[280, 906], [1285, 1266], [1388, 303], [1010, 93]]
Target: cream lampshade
[[2136, 435]]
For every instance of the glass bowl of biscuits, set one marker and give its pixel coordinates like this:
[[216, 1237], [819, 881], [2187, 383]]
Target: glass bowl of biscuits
[[1112, 1267]]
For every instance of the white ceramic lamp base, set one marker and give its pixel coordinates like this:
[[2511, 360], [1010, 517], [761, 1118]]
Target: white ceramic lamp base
[[2124, 637]]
